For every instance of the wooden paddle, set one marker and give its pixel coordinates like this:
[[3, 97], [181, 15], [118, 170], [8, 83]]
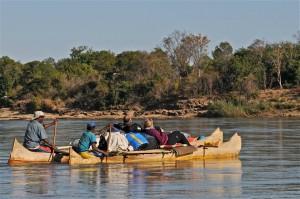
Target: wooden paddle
[[109, 137], [53, 142], [103, 130]]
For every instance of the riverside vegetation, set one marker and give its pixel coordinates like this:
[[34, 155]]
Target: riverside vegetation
[[177, 79]]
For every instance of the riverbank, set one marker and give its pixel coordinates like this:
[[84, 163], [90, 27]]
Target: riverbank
[[8, 114], [268, 103]]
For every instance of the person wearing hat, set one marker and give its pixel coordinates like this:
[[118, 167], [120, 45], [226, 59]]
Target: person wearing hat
[[36, 138], [87, 140]]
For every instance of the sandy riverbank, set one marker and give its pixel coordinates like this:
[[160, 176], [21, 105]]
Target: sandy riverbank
[[279, 103], [7, 114]]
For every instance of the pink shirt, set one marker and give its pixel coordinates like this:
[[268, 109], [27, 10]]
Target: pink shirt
[[161, 137]]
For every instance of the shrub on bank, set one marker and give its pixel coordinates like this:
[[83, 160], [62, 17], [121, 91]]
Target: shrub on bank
[[234, 109], [225, 109], [282, 106], [5, 102]]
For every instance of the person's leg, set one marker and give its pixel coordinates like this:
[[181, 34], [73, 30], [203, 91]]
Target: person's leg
[[177, 137], [86, 155], [47, 148], [172, 138], [44, 149], [98, 154], [36, 150], [61, 152]]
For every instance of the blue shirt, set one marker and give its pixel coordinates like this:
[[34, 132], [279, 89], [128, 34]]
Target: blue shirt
[[86, 140], [35, 133]]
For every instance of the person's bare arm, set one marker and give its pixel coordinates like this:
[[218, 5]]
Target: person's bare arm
[[95, 148], [50, 124]]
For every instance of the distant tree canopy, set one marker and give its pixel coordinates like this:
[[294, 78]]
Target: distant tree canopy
[[182, 68]]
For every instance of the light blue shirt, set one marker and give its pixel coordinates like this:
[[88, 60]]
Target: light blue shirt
[[35, 133], [86, 140]]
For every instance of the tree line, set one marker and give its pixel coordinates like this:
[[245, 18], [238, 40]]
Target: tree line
[[181, 68]]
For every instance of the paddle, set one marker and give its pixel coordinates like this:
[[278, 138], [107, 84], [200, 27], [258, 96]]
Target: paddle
[[103, 130], [53, 142], [109, 137]]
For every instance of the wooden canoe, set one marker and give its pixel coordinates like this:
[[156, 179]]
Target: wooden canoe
[[229, 149], [20, 155]]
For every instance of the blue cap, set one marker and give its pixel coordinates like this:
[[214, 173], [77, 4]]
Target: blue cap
[[91, 125]]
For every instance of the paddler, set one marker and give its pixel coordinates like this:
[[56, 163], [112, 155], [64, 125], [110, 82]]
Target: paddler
[[87, 140], [36, 138]]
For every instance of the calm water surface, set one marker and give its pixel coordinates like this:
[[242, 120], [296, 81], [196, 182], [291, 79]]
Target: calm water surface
[[268, 167]]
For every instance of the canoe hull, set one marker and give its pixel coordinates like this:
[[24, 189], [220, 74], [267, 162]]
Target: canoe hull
[[230, 149], [20, 155]]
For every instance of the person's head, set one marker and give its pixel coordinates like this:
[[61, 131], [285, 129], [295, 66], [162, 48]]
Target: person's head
[[91, 126], [148, 123], [127, 119], [39, 116]]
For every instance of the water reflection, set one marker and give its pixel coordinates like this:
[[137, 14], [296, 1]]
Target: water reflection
[[143, 180], [30, 180], [214, 178]]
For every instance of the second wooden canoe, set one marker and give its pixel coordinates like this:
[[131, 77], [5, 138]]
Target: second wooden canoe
[[230, 149]]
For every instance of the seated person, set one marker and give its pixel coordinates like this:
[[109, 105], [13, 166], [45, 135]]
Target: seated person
[[87, 140], [162, 137], [36, 138], [127, 125]]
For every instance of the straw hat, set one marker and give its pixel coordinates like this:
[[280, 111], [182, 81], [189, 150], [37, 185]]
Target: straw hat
[[38, 114]]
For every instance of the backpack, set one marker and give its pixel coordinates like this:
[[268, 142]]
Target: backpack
[[152, 142], [102, 143]]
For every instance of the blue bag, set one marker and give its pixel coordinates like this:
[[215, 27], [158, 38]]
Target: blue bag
[[137, 140]]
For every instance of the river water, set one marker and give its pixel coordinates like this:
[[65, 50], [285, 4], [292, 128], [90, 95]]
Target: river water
[[268, 167]]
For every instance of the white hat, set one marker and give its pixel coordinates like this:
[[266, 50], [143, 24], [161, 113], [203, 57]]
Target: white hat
[[38, 114]]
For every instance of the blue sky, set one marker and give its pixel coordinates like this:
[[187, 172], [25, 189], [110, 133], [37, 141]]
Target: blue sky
[[37, 29]]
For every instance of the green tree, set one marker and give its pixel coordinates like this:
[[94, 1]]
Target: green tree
[[223, 52], [10, 72], [258, 48], [103, 61], [78, 54], [72, 68], [223, 63], [38, 79], [157, 80]]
